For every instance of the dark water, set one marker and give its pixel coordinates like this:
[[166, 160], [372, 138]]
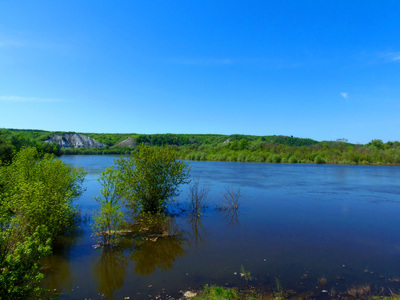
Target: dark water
[[326, 221]]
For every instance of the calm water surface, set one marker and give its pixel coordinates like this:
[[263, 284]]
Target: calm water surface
[[333, 221]]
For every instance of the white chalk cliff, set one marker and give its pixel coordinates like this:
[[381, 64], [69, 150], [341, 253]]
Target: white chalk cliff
[[74, 140]]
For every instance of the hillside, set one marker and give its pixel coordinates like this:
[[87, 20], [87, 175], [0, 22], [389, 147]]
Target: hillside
[[214, 147]]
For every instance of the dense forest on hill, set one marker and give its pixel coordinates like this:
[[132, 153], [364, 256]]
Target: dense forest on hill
[[215, 147]]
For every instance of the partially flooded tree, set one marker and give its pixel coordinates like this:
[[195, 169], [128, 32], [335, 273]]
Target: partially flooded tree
[[151, 177], [36, 206], [231, 199], [109, 217], [197, 197]]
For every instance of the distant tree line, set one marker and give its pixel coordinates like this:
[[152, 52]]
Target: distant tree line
[[12, 142], [238, 148]]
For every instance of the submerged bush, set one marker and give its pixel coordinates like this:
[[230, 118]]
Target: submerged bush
[[151, 177]]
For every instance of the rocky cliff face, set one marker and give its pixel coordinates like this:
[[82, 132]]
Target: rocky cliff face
[[129, 142], [74, 140]]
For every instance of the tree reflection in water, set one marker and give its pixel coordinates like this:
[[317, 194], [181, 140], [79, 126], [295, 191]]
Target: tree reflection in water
[[110, 271], [152, 242], [160, 241], [231, 217], [160, 253], [58, 274], [199, 232]]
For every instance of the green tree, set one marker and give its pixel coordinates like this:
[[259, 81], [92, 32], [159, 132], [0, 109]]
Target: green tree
[[109, 217], [41, 191], [151, 177], [36, 197], [19, 261]]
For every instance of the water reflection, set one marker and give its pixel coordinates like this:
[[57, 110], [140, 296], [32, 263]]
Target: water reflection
[[199, 232], [149, 255], [151, 242], [58, 274], [110, 271], [297, 219], [231, 217]]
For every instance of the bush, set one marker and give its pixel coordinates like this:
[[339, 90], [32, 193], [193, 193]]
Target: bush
[[275, 158], [293, 160], [319, 160]]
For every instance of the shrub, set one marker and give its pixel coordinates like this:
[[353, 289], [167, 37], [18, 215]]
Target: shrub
[[276, 158], [319, 160]]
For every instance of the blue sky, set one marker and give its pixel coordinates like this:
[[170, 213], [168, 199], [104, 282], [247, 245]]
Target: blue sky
[[317, 69]]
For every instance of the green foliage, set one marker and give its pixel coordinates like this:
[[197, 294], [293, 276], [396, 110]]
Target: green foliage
[[319, 160], [236, 147], [19, 261], [36, 197], [12, 141], [378, 144], [109, 218], [151, 177], [279, 292], [217, 293], [41, 191]]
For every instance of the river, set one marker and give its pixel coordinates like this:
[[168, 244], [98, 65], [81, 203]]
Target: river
[[298, 223]]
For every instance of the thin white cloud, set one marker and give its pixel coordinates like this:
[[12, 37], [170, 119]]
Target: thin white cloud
[[344, 95], [396, 58], [27, 99], [390, 56]]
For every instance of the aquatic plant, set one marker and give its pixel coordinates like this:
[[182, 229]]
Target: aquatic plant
[[279, 293], [216, 292], [230, 199], [245, 274], [197, 197], [360, 292]]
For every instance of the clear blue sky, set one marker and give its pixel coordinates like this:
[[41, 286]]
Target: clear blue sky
[[318, 69]]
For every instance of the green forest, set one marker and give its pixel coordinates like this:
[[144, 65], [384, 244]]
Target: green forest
[[215, 147]]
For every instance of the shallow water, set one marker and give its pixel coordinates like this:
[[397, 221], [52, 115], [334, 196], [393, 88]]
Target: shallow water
[[332, 221]]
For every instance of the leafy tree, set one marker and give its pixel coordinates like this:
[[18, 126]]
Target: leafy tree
[[36, 197], [377, 143], [41, 191], [19, 261], [109, 217], [151, 177], [6, 149]]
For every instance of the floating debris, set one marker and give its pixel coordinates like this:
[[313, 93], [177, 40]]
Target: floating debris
[[189, 294]]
